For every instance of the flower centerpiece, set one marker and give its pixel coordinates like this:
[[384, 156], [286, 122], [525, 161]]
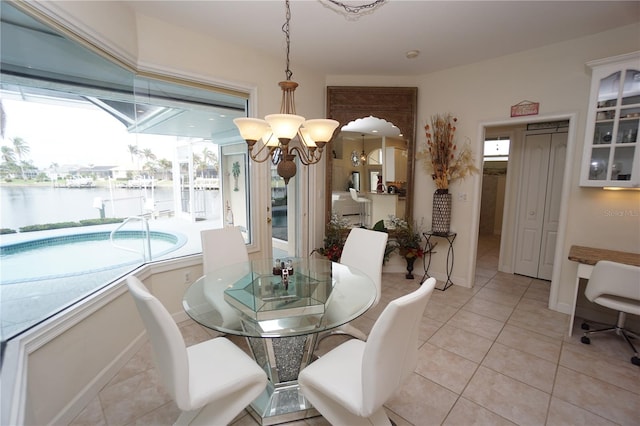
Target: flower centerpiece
[[408, 241], [445, 163], [336, 233]]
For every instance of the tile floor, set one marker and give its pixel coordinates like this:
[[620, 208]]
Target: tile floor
[[491, 355]]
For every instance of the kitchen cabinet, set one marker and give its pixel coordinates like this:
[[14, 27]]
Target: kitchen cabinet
[[611, 155]]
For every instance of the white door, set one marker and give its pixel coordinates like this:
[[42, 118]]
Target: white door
[[557, 156], [539, 204]]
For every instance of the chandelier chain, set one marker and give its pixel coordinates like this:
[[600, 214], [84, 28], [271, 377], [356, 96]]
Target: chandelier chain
[[357, 9], [287, 35]]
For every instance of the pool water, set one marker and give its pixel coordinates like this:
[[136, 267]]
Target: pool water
[[72, 255]]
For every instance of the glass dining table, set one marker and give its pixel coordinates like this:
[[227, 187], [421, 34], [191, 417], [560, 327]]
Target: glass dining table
[[280, 307]]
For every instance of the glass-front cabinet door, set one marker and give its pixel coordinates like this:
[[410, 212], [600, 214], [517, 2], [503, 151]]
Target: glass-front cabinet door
[[612, 152]]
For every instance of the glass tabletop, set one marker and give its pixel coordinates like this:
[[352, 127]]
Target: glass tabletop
[[256, 299]]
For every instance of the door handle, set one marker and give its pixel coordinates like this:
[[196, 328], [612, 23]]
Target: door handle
[[268, 220]]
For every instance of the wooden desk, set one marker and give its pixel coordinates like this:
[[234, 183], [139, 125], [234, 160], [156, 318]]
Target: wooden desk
[[587, 257]]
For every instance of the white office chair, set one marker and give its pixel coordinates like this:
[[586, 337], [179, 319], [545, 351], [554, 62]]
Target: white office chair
[[364, 204], [363, 250], [351, 383], [222, 247], [211, 382], [615, 286]]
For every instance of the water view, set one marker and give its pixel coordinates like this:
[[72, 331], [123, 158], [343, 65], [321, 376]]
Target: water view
[[35, 205]]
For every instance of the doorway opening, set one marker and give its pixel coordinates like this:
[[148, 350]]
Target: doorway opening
[[505, 245], [494, 175]]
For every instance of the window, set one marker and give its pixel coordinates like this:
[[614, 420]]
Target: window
[[87, 140], [496, 149]]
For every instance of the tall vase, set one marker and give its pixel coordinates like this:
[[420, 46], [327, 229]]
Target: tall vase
[[441, 215], [410, 261]]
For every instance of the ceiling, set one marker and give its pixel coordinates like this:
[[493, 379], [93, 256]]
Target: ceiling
[[447, 33]]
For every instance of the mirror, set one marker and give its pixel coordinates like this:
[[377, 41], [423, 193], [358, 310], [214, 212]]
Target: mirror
[[377, 125]]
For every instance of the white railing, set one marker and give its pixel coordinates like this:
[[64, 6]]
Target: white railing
[[146, 250]]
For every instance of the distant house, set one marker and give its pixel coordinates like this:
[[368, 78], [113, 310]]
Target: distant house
[[98, 172], [125, 171]]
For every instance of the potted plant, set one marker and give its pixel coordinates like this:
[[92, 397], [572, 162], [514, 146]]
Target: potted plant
[[336, 233], [407, 239], [445, 163]]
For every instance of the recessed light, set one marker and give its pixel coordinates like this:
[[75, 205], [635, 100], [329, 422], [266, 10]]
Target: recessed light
[[412, 54]]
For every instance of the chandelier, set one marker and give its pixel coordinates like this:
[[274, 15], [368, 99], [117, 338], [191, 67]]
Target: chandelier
[[286, 134], [357, 159], [363, 155]]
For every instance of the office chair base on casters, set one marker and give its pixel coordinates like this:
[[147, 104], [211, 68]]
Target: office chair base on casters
[[619, 330]]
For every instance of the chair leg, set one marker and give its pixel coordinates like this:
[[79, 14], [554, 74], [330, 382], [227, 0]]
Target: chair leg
[[619, 330], [344, 330]]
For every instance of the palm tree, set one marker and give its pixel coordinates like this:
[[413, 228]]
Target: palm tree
[[3, 120], [8, 160], [148, 155], [150, 167], [8, 155], [235, 171], [21, 148], [133, 151], [166, 166], [210, 157], [199, 164]]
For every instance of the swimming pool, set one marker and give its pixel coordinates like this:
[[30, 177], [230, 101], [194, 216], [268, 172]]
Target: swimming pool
[[79, 254]]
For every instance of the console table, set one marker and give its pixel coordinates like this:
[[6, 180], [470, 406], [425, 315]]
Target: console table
[[587, 257], [450, 237]]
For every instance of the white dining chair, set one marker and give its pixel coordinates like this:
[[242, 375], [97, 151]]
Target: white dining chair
[[222, 247], [363, 250], [211, 382], [615, 286], [350, 384]]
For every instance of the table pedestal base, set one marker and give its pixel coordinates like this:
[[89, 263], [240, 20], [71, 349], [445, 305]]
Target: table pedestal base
[[282, 359]]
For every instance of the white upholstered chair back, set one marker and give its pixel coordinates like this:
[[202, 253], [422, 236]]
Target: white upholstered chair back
[[212, 381], [364, 250], [615, 279], [354, 194], [391, 351], [168, 345], [222, 247], [350, 384]]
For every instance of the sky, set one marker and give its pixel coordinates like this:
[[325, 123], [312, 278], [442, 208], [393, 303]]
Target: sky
[[68, 135]]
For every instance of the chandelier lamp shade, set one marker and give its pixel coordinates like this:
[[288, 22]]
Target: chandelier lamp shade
[[283, 136]]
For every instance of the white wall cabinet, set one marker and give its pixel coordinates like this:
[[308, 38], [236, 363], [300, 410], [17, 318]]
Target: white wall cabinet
[[612, 150]]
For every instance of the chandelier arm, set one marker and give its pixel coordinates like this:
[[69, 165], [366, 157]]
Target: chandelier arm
[[307, 156], [269, 154]]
